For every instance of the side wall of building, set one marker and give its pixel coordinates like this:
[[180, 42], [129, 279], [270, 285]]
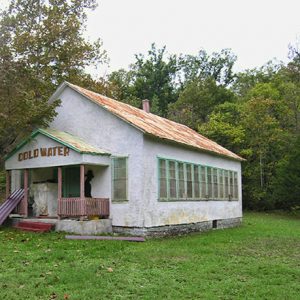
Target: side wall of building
[[159, 213], [98, 127]]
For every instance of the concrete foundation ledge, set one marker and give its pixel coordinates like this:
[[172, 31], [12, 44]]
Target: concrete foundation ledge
[[179, 229], [84, 227]]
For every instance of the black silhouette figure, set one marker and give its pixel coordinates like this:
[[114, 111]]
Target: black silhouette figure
[[87, 184]]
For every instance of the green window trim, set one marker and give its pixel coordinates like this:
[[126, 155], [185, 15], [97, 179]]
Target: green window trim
[[119, 182], [220, 184]]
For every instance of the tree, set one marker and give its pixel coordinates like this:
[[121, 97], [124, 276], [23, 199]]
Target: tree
[[286, 182], [153, 78], [218, 66], [121, 87], [225, 126], [245, 81], [197, 100], [41, 45]]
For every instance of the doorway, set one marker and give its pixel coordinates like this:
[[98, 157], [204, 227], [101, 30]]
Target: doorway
[[71, 182]]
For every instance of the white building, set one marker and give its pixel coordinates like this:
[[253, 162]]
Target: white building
[[151, 175]]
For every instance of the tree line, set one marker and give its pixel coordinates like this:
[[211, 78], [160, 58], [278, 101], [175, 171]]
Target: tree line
[[255, 113]]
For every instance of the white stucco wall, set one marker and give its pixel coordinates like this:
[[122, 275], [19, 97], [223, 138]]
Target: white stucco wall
[[100, 128], [101, 183], [158, 213]]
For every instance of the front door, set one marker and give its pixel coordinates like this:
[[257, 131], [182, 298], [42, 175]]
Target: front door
[[71, 182]]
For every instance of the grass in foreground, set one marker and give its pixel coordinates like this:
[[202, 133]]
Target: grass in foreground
[[259, 260]]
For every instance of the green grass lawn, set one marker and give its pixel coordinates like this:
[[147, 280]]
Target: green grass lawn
[[259, 260]]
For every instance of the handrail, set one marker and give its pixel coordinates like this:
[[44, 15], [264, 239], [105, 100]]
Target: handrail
[[77, 207]]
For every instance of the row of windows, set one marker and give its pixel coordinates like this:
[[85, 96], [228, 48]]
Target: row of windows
[[180, 180]]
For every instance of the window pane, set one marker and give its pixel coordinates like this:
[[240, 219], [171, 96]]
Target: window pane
[[196, 182], [172, 179], [120, 178], [209, 182], [221, 184], [181, 192], [235, 180], [162, 179], [226, 184], [215, 183], [189, 181], [203, 182], [231, 183]]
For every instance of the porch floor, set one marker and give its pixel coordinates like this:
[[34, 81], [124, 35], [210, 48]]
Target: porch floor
[[71, 226]]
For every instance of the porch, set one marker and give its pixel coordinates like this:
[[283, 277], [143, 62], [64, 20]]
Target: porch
[[62, 200]]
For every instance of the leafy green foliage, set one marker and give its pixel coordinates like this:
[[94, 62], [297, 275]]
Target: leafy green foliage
[[224, 126], [197, 101], [286, 182], [150, 77], [41, 44], [217, 66]]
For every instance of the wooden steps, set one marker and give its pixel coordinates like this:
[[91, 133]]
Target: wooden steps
[[34, 226]]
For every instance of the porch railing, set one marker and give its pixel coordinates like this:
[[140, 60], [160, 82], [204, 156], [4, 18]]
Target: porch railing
[[77, 207]]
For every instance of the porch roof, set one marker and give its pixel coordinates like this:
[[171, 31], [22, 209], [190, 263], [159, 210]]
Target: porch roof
[[73, 142]]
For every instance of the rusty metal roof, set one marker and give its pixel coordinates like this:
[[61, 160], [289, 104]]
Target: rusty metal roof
[[156, 126], [72, 141]]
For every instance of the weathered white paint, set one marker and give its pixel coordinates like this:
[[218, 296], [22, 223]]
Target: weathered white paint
[[183, 212], [45, 199], [101, 183], [101, 129], [15, 180]]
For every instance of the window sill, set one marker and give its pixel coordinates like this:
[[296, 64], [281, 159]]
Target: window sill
[[197, 200], [119, 201]]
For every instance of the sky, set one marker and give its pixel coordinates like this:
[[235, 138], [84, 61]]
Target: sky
[[256, 30]]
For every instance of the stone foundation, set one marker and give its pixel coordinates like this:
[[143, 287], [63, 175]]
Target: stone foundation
[[84, 227], [170, 230]]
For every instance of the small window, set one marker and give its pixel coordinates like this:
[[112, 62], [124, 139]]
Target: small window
[[163, 178], [172, 179], [231, 184], [235, 186], [189, 181], [203, 182], [181, 180], [119, 179], [196, 182], [215, 183], [221, 184], [209, 183], [226, 184]]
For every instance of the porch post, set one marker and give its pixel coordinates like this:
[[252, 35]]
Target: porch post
[[7, 190], [59, 189], [82, 191], [25, 200], [81, 181]]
